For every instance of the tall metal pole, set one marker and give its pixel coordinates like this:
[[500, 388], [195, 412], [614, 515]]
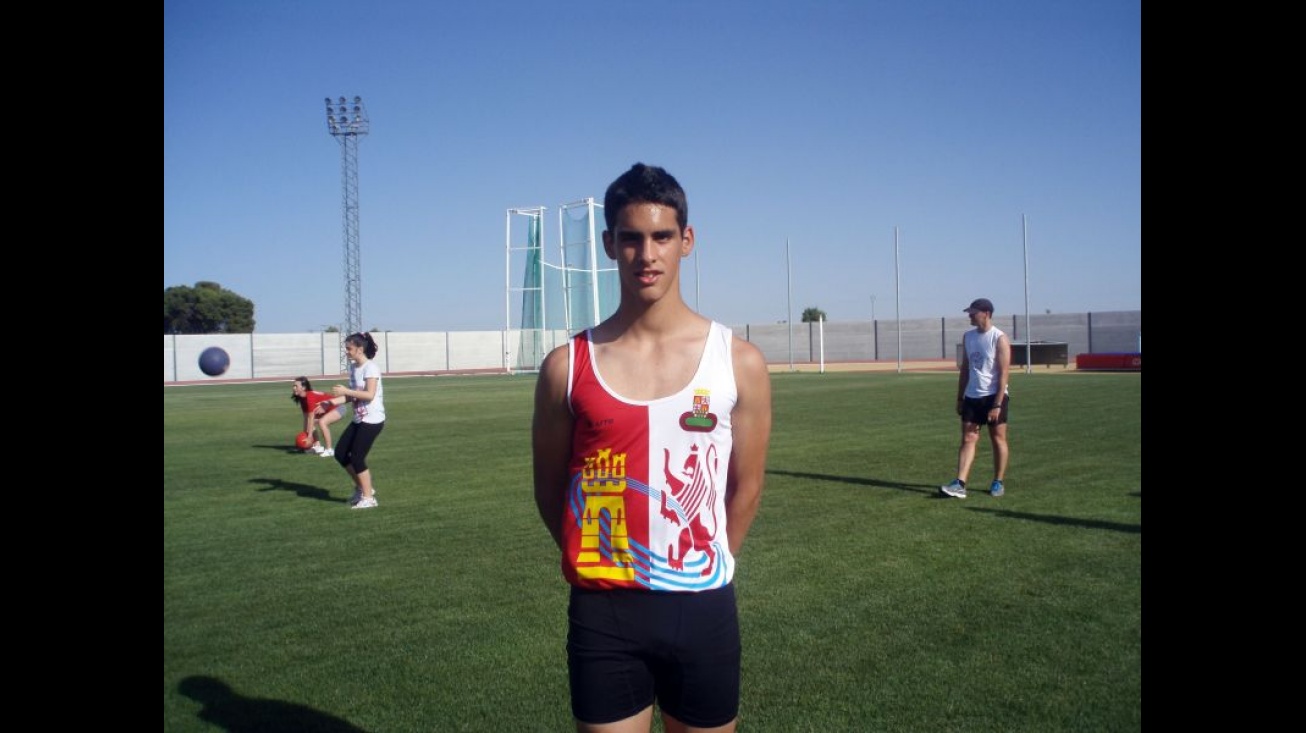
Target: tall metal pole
[[1029, 331], [347, 123], [789, 297], [592, 234], [507, 285], [875, 342], [897, 297]]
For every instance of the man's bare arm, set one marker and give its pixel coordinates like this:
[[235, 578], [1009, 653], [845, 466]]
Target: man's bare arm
[[551, 441], [751, 421]]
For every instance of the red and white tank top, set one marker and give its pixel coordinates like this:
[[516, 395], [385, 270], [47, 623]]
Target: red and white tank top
[[646, 499]]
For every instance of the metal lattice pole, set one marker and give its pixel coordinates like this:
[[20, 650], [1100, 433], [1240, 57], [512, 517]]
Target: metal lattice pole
[[347, 123]]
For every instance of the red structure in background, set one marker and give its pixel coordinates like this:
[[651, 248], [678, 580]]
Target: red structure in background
[[1120, 362]]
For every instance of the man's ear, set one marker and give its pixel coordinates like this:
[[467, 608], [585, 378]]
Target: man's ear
[[607, 245], [687, 242]]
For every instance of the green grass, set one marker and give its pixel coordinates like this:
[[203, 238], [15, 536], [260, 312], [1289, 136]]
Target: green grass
[[866, 602]]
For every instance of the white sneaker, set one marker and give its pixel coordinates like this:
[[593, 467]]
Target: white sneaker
[[955, 489], [366, 502], [317, 448], [327, 453]]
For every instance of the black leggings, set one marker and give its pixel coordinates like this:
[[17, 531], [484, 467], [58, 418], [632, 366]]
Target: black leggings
[[354, 445]]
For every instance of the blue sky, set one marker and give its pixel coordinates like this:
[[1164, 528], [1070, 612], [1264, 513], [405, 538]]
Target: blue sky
[[825, 124]]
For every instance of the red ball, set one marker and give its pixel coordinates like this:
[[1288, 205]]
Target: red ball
[[304, 441]]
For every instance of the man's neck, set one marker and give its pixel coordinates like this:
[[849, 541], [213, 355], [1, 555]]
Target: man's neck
[[665, 319]]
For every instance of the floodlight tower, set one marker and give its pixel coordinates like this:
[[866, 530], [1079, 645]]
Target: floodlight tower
[[346, 123]]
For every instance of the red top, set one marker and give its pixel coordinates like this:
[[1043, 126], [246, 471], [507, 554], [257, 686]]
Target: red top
[[313, 398]]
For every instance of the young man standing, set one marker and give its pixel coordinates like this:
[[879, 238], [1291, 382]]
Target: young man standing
[[649, 441], [982, 396]]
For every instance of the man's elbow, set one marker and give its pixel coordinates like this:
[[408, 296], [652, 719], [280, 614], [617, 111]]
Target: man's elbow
[[746, 496]]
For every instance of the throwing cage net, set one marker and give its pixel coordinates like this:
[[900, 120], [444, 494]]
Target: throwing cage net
[[556, 297]]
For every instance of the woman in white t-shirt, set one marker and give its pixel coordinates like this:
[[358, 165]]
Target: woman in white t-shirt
[[365, 394]]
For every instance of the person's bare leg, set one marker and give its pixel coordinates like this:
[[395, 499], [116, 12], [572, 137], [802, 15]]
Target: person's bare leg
[[324, 424], [640, 722], [364, 480], [675, 726], [998, 437], [966, 453]]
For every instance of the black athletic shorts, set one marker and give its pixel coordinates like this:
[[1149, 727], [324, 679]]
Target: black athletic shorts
[[628, 648], [976, 409]]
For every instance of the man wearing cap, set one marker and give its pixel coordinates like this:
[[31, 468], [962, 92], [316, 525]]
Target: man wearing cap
[[982, 396]]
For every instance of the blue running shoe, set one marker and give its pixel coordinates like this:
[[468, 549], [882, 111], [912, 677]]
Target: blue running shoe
[[996, 489], [954, 489]]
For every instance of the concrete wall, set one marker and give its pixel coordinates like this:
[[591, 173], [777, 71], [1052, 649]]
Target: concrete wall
[[287, 355]]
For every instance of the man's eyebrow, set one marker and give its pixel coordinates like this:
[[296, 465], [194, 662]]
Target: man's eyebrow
[[657, 233]]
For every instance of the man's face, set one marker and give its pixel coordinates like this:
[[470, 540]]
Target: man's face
[[647, 245]]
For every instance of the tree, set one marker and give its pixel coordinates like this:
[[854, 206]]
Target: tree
[[206, 308], [812, 315]]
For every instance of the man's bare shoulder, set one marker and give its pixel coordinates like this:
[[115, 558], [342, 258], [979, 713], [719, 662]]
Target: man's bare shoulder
[[746, 354], [554, 365]]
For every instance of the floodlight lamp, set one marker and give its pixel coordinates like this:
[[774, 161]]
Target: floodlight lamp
[[328, 101], [357, 100]]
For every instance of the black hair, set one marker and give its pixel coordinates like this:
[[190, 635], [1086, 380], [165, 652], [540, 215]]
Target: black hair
[[365, 341], [307, 386], [645, 184]]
